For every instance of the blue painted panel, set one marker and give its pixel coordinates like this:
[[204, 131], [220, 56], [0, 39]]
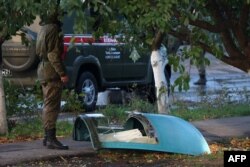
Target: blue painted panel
[[174, 135]]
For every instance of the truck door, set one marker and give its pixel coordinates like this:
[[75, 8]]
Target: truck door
[[135, 69], [110, 56]]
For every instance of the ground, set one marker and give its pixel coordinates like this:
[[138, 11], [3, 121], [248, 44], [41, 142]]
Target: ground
[[132, 158]]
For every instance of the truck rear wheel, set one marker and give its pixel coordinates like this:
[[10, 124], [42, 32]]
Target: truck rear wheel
[[88, 90]]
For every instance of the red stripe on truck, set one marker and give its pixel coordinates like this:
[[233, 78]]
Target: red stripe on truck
[[88, 39]]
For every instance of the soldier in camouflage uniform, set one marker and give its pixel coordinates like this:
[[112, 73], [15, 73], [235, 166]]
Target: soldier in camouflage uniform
[[52, 75]]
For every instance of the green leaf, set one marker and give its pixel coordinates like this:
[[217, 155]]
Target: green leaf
[[186, 21]]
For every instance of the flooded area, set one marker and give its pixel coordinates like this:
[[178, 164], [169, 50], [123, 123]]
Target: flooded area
[[222, 80]]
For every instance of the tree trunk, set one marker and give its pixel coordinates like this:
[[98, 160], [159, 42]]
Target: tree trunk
[[159, 61], [3, 118]]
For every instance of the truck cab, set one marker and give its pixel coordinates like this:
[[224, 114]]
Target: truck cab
[[97, 64]]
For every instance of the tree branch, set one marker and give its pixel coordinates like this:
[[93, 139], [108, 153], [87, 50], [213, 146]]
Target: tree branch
[[237, 62], [202, 24], [212, 6], [240, 30], [217, 28], [219, 15], [158, 40], [182, 36], [230, 45]]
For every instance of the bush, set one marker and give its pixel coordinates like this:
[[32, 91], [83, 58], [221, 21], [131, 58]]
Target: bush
[[72, 102], [115, 114], [21, 101]]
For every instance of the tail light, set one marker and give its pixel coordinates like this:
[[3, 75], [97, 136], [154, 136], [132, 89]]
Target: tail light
[[65, 49]]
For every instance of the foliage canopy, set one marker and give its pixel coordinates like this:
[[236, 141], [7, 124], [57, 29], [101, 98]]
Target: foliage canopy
[[220, 27]]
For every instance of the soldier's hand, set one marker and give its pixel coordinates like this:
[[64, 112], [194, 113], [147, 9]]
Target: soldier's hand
[[64, 79]]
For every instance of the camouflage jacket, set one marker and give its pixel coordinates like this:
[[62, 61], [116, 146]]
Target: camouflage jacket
[[49, 47]]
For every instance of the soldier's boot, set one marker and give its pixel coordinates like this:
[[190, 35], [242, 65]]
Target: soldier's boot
[[45, 138], [52, 142], [202, 80]]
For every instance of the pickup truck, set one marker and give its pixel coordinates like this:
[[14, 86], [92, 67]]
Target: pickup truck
[[93, 65]]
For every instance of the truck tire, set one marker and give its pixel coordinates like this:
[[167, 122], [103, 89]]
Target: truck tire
[[88, 90], [19, 57]]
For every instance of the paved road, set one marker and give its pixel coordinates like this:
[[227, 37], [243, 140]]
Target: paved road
[[15, 153], [217, 129]]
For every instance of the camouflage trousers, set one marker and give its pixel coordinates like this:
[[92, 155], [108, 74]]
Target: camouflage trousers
[[52, 92]]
